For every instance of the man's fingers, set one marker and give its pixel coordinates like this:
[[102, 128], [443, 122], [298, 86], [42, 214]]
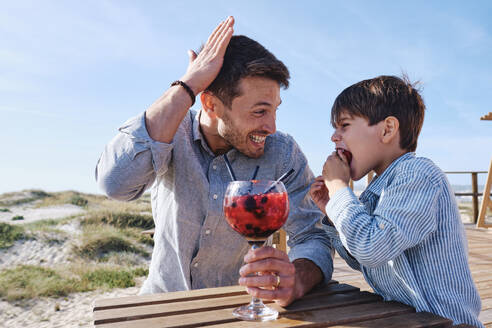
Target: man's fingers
[[216, 31], [192, 55], [265, 252], [267, 281], [219, 35], [268, 295], [222, 43], [267, 265]]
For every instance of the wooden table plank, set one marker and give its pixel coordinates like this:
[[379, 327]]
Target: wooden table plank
[[163, 298], [328, 318], [332, 297], [161, 305], [411, 320]]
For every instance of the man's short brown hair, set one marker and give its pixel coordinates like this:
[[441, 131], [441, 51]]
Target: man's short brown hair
[[245, 57], [383, 96]]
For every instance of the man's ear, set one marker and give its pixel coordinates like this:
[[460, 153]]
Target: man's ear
[[390, 130], [209, 103]]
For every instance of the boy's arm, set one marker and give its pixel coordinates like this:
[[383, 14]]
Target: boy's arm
[[332, 233], [404, 217]]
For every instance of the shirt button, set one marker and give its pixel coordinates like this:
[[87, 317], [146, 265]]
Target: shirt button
[[381, 226], [207, 232], [214, 167], [195, 265], [215, 196]]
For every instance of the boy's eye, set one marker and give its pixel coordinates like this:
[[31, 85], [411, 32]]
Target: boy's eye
[[344, 125]]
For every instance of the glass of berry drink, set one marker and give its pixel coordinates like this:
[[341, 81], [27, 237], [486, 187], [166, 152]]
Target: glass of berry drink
[[256, 209]]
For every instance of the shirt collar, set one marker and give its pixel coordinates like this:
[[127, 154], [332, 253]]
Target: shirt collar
[[379, 182], [197, 134]]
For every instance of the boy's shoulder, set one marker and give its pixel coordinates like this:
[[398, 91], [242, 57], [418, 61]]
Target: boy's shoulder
[[418, 167]]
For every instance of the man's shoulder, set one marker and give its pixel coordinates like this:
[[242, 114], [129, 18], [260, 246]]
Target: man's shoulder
[[281, 139]]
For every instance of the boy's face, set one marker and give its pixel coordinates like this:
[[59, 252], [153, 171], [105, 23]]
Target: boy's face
[[353, 133]]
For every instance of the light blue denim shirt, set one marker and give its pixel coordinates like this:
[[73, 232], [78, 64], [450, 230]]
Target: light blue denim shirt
[[406, 236], [194, 247]]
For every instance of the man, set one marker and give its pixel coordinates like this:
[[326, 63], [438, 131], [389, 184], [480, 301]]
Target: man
[[179, 152]]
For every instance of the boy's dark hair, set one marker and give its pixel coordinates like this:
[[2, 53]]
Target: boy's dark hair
[[383, 96], [245, 57]]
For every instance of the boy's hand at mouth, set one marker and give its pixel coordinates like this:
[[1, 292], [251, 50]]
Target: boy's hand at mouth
[[336, 172], [319, 193]]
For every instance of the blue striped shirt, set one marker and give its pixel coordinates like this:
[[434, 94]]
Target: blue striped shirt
[[405, 235]]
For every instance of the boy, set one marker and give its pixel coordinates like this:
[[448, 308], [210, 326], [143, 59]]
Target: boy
[[404, 233]]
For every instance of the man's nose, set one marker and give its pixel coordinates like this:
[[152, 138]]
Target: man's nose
[[270, 125]]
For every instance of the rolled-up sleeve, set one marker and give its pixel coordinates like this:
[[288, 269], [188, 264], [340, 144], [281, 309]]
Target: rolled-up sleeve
[[306, 238], [131, 161]]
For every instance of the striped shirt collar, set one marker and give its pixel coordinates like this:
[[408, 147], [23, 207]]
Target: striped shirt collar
[[379, 182]]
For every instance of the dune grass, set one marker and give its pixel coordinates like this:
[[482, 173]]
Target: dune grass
[[25, 196], [119, 219], [99, 240], [9, 234], [108, 246], [28, 281]]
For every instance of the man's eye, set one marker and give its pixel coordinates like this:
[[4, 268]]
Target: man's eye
[[260, 112]]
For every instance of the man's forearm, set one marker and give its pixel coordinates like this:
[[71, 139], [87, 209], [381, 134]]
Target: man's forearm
[[165, 115], [308, 275]]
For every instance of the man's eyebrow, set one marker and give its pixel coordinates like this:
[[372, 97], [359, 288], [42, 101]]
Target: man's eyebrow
[[264, 103]]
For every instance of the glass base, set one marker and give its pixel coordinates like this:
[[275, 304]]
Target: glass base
[[255, 312]]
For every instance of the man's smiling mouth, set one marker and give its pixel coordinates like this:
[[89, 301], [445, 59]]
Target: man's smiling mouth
[[257, 138]]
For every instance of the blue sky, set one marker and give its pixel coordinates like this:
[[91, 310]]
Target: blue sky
[[72, 72]]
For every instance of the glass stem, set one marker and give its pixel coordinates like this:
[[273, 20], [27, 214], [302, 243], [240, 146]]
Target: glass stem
[[255, 301]]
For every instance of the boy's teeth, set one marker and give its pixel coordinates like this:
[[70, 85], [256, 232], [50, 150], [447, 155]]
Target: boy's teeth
[[258, 139]]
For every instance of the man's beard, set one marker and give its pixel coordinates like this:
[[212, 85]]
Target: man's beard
[[235, 139]]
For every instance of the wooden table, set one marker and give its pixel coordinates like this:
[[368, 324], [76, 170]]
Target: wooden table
[[334, 305]]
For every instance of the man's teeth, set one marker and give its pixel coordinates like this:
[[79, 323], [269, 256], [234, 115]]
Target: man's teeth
[[257, 139]]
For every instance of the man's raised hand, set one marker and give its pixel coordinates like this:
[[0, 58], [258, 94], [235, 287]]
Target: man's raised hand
[[204, 67]]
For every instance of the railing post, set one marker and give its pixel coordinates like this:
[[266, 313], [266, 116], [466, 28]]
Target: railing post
[[475, 196]]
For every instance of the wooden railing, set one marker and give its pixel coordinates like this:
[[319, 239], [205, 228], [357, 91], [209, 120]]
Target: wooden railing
[[474, 192]]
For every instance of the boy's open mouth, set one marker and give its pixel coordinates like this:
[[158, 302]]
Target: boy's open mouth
[[346, 153]]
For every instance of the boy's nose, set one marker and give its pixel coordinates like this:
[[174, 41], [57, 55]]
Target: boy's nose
[[335, 137]]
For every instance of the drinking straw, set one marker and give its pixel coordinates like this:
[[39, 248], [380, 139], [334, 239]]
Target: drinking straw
[[229, 168], [282, 178], [256, 172]]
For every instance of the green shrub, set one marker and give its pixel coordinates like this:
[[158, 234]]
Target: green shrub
[[100, 245], [29, 281], [26, 196], [17, 218], [78, 200], [4, 210], [108, 278], [9, 234], [120, 219], [139, 272], [98, 241]]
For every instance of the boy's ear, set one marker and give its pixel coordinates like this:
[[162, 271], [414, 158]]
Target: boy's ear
[[391, 128]]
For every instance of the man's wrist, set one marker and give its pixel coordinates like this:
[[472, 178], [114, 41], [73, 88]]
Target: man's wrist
[[308, 275], [187, 88]]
